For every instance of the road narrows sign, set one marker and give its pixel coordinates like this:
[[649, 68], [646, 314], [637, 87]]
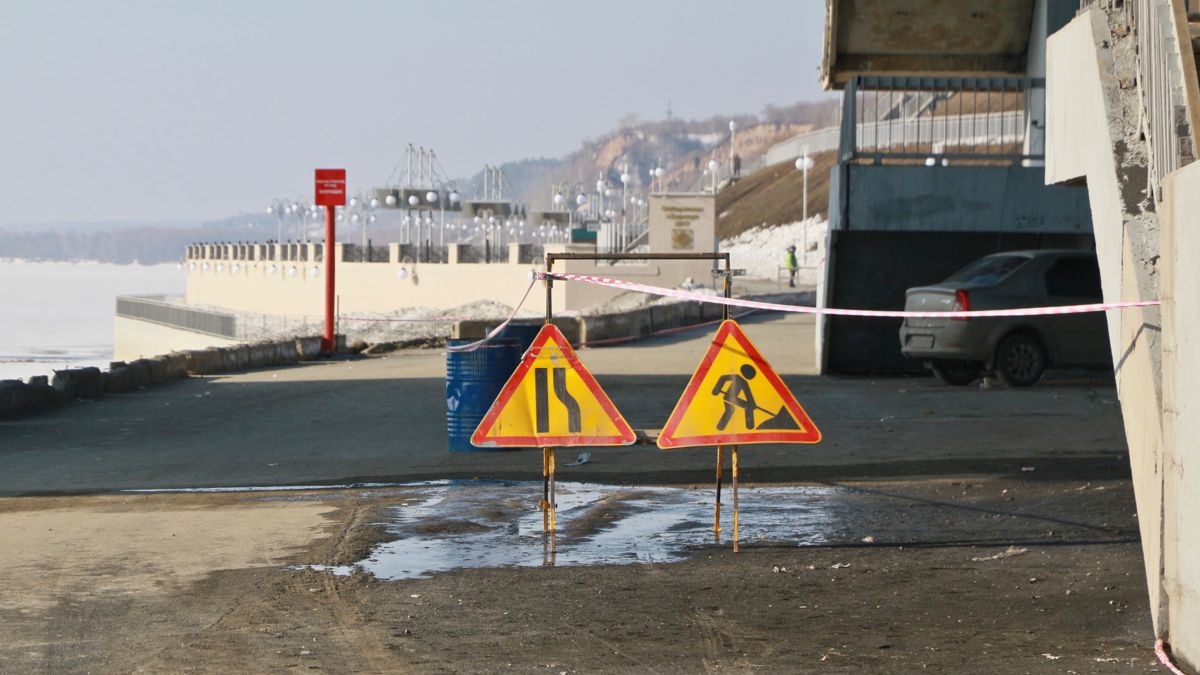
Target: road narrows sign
[[735, 397], [551, 400]]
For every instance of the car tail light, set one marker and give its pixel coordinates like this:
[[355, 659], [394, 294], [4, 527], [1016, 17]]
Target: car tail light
[[962, 303]]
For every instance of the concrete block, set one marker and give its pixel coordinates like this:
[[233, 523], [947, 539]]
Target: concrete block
[[40, 396], [241, 357], [476, 329], [613, 326], [204, 361], [177, 365], [64, 384], [671, 315], [76, 383], [308, 348], [118, 379], [259, 355], [158, 369], [12, 398], [286, 354], [139, 370]]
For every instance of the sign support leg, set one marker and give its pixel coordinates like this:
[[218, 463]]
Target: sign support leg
[[553, 505], [735, 499], [545, 505], [717, 510]]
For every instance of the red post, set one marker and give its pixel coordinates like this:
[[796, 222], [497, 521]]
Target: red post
[[330, 193], [328, 342]]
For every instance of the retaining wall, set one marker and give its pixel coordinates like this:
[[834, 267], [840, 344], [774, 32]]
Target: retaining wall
[[43, 393]]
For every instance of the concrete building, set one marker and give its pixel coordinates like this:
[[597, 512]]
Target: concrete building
[[1123, 109], [1120, 116], [940, 156]]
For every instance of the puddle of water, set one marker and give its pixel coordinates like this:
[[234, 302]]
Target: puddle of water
[[496, 524]]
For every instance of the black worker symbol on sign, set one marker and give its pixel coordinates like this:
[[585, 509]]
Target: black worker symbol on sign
[[735, 391]]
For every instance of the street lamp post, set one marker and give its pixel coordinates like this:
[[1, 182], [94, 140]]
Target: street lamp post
[[804, 163], [625, 177], [732, 139], [279, 208]]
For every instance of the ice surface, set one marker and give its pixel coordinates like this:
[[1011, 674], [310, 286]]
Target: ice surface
[[59, 315]]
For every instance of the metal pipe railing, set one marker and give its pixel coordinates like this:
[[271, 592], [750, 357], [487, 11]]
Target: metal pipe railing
[[950, 117]]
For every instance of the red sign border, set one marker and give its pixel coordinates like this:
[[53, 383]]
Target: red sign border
[[627, 437], [667, 439]]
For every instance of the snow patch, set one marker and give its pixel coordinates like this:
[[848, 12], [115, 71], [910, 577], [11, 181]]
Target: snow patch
[[761, 251]]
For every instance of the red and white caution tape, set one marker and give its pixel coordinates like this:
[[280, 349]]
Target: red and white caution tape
[[830, 311], [431, 319], [1164, 657], [472, 346]]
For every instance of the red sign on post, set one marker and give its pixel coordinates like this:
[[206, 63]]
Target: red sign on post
[[331, 187]]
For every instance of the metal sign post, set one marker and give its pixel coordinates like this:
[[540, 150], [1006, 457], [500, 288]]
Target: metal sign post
[[727, 275], [330, 193]]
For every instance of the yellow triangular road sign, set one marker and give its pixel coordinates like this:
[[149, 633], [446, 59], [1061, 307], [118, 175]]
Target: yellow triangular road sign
[[735, 397], [551, 400]]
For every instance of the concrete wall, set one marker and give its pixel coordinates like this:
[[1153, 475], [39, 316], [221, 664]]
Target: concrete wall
[[962, 199], [297, 288], [896, 227], [1145, 253], [1181, 409], [135, 339], [875, 268]]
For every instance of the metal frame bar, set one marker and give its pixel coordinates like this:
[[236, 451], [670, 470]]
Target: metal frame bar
[[551, 257]]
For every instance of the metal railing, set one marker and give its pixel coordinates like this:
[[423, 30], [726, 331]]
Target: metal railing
[[954, 118], [817, 140], [1168, 89], [1170, 131], [158, 309]]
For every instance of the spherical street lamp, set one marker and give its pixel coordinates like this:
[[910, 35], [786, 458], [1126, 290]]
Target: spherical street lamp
[[413, 200]]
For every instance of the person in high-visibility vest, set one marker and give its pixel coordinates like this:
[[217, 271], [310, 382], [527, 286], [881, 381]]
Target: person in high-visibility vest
[[792, 265]]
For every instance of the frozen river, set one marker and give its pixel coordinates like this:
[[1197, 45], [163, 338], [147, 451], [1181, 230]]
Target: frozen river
[[58, 315]]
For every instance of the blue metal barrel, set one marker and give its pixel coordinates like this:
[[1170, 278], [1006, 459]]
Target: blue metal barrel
[[523, 333], [473, 380]]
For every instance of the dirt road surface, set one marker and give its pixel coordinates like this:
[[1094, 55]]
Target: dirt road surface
[[979, 575], [967, 530]]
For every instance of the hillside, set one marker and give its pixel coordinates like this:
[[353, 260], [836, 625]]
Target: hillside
[[772, 196], [682, 147]]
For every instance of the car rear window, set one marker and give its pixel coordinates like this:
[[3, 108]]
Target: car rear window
[[1074, 277], [987, 271]]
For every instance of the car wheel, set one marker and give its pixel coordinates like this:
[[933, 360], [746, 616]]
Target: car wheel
[[956, 373], [1020, 360]]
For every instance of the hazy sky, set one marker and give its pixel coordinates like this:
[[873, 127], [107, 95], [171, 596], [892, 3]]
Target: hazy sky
[[160, 110]]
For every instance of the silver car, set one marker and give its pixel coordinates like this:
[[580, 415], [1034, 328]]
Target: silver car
[[1016, 349]]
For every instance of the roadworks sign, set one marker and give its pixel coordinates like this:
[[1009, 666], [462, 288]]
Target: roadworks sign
[[551, 400], [735, 397]]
